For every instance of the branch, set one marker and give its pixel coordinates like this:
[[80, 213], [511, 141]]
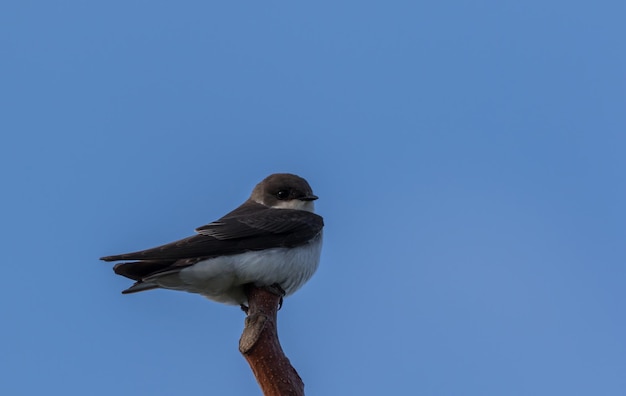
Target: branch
[[260, 346]]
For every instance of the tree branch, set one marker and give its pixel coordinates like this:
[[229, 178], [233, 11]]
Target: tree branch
[[260, 346]]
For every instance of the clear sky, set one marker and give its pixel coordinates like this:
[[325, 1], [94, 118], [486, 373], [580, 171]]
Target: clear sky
[[470, 159]]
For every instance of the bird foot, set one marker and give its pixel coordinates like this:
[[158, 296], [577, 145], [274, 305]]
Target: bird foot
[[274, 289], [279, 291]]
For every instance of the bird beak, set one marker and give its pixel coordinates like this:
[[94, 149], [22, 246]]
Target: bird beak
[[308, 198]]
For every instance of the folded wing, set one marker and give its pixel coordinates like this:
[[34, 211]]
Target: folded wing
[[237, 232]]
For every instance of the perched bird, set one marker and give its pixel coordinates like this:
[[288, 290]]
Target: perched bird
[[272, 239]]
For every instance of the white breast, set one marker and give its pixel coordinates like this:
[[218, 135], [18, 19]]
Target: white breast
[[221, 278]]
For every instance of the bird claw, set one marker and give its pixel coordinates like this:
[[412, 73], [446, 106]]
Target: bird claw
[[274, 289], [277, 290]]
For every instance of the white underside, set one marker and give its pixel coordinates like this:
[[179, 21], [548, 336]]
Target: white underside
[[222, 278]]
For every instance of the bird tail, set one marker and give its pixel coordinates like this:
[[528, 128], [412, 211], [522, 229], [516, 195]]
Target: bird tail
[[139, 271]]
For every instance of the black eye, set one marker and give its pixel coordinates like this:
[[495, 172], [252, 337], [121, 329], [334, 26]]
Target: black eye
[[282, 194]]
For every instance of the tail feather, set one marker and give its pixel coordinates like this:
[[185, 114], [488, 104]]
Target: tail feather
[[140, 286], [150, 274], [138, 270]]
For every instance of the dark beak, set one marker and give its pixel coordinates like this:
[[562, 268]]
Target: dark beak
[[308, 198]]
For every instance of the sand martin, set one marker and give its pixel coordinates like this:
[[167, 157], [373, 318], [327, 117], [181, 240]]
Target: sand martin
[[273, 238]]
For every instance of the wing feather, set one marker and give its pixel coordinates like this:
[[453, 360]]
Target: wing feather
[[235, 233]]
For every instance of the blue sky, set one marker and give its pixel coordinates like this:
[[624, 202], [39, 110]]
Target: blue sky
[[469, 158]]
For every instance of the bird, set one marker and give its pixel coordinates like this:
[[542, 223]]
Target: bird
[[272, 240]]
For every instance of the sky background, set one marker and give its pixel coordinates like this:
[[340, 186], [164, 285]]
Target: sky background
[[470, 159]]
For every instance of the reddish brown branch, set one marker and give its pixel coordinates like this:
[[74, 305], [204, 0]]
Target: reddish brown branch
[[260, 346]]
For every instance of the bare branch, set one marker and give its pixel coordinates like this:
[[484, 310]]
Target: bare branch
[[260, 346]]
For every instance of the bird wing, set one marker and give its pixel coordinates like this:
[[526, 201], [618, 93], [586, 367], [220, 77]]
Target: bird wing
[[237, 232]]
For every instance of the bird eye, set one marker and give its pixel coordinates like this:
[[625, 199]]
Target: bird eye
[[282, 194]]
